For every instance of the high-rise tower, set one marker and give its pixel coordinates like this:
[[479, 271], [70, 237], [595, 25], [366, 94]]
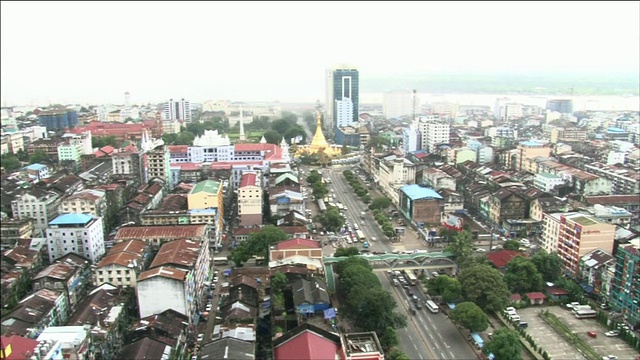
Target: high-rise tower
[[343, 97], [241, 138]]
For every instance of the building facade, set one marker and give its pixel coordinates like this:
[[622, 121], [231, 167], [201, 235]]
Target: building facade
[[625, 292], [80, 234], [580, 234], [177, 110], [250, 200]]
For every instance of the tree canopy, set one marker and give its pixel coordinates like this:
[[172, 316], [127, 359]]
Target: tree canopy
[[548, 265], [461, 245], [504, 345], [257, 244], [272, 137], [522, 276], [380, 203], [331, 219], [10, 162], [346, 251], [511, 245], [470, 316], [447, 287], [484, 285]]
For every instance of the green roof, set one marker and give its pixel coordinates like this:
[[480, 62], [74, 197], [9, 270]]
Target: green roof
[[584, 221], [208, 186], [549, 175]]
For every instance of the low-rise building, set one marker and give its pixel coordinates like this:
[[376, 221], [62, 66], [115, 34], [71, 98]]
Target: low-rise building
[[122, 265], [12, 230], [89, 201], [71, 275], [38, 204], [592, 268], [75, 341], [420, 204], [157, 235], [36, 312], [250, 200]]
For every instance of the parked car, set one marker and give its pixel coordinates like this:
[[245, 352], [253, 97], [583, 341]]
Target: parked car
[[592, 334], [612, 333]]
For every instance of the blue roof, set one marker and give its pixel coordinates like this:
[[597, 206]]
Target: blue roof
[[615, 129], [478, 339], [71, 219], [36, 167], [415, 192]]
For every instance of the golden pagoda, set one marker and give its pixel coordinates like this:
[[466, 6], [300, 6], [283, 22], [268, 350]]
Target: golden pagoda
[[319, 143]]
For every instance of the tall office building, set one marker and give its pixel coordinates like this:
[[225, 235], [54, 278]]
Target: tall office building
[[563, 106], [343, 97], [397, 103], [177, 110]]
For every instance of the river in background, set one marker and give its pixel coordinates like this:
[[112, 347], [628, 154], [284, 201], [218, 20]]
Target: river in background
[[580, 102]]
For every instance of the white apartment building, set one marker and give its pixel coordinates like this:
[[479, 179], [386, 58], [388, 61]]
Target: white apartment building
[[432, 134], [551, 231], [81, 234], [171, 126], [446, 109], [12, 142], [82, 140], [410, 138], [547, 181], [37, 204], [397, 103], [89, 201], [344, 113], [176, 110]]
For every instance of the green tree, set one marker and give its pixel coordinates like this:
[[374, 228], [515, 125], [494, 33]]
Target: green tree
[[319, 190], [293, 132], [323, 158], [185, 138], [314, 177], [10, 162], [389, 338], [272, 137], [351, 261], [511, 245], [39, 156], [281, 126], [484, 285], [380, 203], [504, 345], [99, 142], [462, 245], [331, 220], [257, 244], [279, 282], [470, 316], [372, 309], [346, 251], [449, 288], [522, 276], [345, 149], [169, 139], [549, 265], [397, 354]]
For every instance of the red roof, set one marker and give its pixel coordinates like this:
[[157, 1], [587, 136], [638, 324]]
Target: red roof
[[178, 149], [98, 128], [248, 179], [307, 345], [19, 346], [271, 151], [189, 166], [501, 258], [298, 244], [535, 296], [515, 297]]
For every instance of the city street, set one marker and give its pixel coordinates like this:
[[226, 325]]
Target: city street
[[427, 335]]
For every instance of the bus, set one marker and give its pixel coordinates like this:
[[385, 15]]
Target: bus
[[432, 306], [585, 313], [360, 235], [411, 277], [221, 260]]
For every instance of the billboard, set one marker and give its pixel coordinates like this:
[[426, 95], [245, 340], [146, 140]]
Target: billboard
[[451, 221]]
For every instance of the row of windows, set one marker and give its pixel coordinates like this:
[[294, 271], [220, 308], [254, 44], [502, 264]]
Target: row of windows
[[101, 280], [118, 272]]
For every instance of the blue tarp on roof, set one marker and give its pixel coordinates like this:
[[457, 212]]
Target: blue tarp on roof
[[415, 192], [329, 313], [71, 219]]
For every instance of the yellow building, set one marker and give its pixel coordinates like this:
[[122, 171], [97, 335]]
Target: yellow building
[[319, 143], [529, 150], [206, 194], [579, 235]]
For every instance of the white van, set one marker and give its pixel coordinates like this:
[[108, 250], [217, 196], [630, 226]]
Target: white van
[[515, 318]]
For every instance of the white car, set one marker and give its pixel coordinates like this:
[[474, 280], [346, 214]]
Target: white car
[[612, 333], [481, 250]]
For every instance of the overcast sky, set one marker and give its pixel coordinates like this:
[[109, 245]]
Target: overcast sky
[[75, 52]]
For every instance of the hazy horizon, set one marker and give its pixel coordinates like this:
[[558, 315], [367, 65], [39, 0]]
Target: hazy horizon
[[67, 52]]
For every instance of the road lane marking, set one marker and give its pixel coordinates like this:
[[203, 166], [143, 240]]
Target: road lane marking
[[414, 345]]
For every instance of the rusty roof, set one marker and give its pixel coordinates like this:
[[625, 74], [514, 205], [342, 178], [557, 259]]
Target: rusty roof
[[174, 202], [182, 253], [169, 322], [130, 246], [94, 309], [60, 271], [35, 306], [119, 258], [168, 272], [161, 232], [22, 256]]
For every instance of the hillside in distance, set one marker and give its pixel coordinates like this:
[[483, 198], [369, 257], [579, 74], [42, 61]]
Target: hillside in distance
[[543, 84]]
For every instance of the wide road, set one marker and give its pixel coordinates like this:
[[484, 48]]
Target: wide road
[[355, 206], [427, 335]]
